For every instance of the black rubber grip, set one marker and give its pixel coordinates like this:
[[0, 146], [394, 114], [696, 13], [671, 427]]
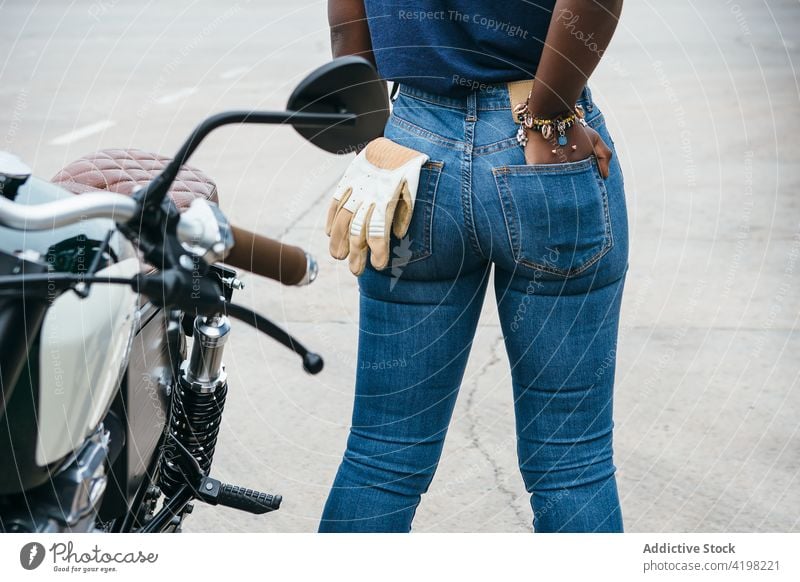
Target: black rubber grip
[[247, 499]]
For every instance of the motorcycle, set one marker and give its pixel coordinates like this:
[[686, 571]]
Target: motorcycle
[[114, 313]]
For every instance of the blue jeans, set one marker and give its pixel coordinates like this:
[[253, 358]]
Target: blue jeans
[[557, 236]]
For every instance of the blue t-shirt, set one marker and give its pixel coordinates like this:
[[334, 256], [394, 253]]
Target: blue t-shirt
[[453, 46]]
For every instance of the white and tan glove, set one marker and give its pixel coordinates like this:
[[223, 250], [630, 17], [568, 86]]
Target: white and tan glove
[[374, 197]]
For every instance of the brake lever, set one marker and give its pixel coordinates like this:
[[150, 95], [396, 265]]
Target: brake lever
[[312, 362], [168, 289]]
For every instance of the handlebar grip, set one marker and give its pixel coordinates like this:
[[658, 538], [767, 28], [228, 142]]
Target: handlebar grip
[[248, 500], [269, 258]]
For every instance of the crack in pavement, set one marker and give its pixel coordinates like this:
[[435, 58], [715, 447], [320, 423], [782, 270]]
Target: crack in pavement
[[325, 192], [472, 432], [474, 437]]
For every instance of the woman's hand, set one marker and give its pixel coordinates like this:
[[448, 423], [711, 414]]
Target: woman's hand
[[586, 140], [568, 60]]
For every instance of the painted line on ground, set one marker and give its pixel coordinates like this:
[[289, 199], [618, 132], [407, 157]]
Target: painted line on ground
[[235, 72], [82, 132], [176, 96]]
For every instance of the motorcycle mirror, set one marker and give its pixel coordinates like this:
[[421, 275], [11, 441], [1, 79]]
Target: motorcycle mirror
[[346, 85], [338, 107]]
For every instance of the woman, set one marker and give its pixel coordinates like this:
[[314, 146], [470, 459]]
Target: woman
[[516, 180]]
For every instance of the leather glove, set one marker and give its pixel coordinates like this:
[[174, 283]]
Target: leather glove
[[374, 198]]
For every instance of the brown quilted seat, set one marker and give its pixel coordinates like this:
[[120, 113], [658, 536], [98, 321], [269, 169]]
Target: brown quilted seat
[[123, 170]]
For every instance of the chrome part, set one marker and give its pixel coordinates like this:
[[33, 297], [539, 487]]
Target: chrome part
[[311, 271], [81, 486], [186, 262], [70, 500], [233, 283], [203, 228], [205, 231], [196, 410], [165, 384], [204, 371], [12, 167], [67, 211], [13, 174], [29, 255]]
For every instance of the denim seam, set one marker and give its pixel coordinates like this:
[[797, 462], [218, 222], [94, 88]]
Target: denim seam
[[606, 211], [494, 108], [466, 187], [507, 202], [455, 103], [511, 142], [595, 121], [424, 133], [585, 98], [497, 146], [432, 99], [434, 175], [565, 168]]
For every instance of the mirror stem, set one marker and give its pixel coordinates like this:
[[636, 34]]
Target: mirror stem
[[156, 191]]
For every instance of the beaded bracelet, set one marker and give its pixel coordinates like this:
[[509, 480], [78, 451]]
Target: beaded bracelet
[[547, 127]]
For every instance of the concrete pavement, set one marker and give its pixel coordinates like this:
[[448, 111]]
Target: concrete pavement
[[702, 101]]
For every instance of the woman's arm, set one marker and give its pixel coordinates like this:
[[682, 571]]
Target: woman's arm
[[349, 32], [579, 33]]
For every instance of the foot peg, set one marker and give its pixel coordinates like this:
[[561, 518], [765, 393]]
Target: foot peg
[[214, 492]]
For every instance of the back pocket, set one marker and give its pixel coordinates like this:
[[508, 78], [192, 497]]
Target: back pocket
[[556, 215], [417, 243]]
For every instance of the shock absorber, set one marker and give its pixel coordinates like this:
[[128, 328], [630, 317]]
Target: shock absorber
[[197, 402]]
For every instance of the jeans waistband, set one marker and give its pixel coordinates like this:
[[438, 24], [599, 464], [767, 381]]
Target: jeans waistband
[[485, 98]]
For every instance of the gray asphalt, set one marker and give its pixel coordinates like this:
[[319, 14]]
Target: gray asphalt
[[702, 101]]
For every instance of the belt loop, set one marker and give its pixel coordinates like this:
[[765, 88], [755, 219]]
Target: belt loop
[[587, 96], [472, 106]]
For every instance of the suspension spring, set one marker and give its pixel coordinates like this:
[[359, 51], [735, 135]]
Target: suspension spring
[[197, 403]]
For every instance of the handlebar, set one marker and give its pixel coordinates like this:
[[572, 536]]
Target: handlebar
[[267, 257], [261, 255], [117, 207], [66, 211]]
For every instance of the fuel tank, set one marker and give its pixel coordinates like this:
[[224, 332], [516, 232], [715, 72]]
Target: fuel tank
[[78, 351]]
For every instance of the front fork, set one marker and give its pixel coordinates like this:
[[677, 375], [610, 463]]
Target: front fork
[[198, 401], [196, 407]]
